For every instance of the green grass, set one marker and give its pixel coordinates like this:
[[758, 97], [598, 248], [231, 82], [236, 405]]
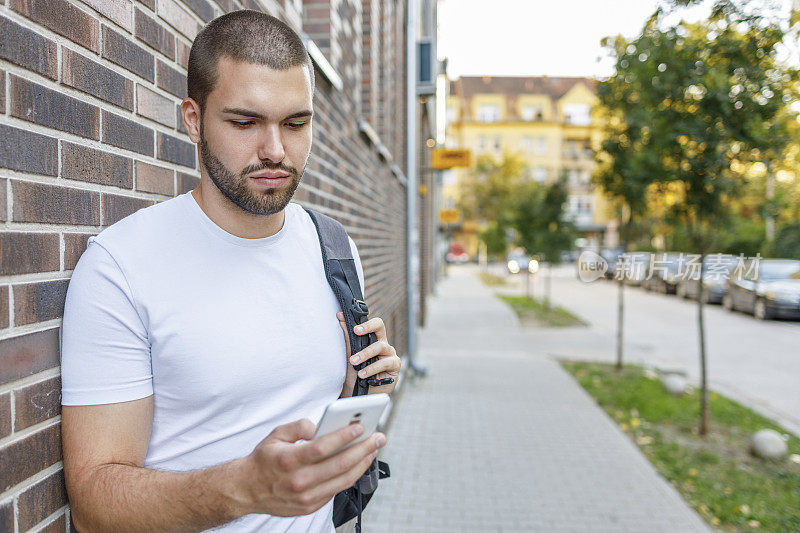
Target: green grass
[[533, 312], [491, 280], [731, 489]]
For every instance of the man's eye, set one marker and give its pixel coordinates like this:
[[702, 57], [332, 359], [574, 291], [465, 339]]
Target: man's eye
[[296, 125], [241, 124]]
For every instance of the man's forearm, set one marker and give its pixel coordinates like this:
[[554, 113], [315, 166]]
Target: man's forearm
[[123, 498]]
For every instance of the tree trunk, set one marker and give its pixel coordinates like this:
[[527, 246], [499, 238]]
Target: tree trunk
[[702, 331], [620, 308], [549, 283]]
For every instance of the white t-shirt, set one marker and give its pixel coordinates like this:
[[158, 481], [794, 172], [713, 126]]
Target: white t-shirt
[[232, 336]]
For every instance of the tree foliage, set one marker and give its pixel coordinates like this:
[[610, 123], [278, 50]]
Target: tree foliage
[[488, 195], [540, 224], [684, 104]]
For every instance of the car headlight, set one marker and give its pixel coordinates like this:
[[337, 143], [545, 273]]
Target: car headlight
[[513, 266], [533, 266], [782, 296]]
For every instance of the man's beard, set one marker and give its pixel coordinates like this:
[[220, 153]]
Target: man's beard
[[235, 188]]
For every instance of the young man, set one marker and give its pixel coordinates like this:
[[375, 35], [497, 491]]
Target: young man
[[200, 336]]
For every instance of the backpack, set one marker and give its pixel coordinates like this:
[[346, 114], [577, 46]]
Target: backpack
[[342, 276]]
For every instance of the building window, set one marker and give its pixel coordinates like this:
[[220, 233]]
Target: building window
[[481, 143], [531, 113], [525, 144], [497, 143], [577, 114], [488, 113], [541, 145], [540, 174]]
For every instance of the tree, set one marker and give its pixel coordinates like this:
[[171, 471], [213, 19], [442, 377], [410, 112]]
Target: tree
[[487, 194], [685, 103], [540, 223]]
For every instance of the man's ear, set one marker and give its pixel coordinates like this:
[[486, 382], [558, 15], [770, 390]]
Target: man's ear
[[190, 112]]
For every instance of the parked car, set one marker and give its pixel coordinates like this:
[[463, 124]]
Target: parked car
[[767, 288], [456, 254], [662, 272], [516, 262], [717, 269], [611, 255]]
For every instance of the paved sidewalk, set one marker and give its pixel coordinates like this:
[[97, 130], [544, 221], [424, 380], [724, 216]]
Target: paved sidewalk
[[498, 437]]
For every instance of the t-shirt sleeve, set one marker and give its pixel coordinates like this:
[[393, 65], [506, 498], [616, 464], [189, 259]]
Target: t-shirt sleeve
[[105, 350], [359, 268]]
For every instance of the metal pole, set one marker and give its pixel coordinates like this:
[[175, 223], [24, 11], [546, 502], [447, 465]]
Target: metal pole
[[412, 252]]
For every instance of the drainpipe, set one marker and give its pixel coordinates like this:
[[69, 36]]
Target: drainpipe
[[412, 241]]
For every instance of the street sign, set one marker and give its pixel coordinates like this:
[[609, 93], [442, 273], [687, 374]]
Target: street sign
[[444, 159], [448, 216]]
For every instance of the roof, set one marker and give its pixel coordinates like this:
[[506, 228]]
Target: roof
[[555, 87]]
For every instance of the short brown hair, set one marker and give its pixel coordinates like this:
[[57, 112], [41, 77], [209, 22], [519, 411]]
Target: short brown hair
[[247, 36]]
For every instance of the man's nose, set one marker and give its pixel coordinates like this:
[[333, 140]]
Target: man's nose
[[271, 145]]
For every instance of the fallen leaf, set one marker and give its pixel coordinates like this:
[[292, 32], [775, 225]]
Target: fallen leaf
[[754, 523], [693, 472]]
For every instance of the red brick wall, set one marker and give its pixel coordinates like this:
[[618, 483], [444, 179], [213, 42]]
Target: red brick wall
[[90, 132]]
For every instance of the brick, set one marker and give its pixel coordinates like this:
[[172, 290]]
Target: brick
[[187, 182], [178, 18], [28, 49], [155, 179], [183, 50], [124, 133], [38, 302], [171, 80], [152, 105], [118, 11], [64, 19], [5, 418], [7, 515], [93, 78], [56, 526], [226, 5], [3, 212], [48, 204], [28, 151], [127, 54], [25, 253], [23, 458], [202, 8], [35, 103], [175, 150], [25, 355], [94, 166], [154, 34], [36, 403], [115, 207], [4, 309], [149, 3], [179, 119], [41, 500], [74, 246], [2, 91]]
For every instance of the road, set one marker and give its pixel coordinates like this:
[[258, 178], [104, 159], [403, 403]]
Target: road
[[756, 363]]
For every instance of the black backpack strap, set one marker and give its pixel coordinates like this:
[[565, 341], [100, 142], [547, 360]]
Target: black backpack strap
[[342, 275]]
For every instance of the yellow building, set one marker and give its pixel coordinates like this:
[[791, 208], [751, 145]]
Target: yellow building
[[549, 120]]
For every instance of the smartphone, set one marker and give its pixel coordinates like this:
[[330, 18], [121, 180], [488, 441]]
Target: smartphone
[[366, 410]]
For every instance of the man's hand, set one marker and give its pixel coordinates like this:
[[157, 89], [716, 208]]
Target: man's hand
[[387, 365], [284, 477]]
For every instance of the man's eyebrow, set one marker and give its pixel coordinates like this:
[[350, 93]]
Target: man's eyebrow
[[254, 114]]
